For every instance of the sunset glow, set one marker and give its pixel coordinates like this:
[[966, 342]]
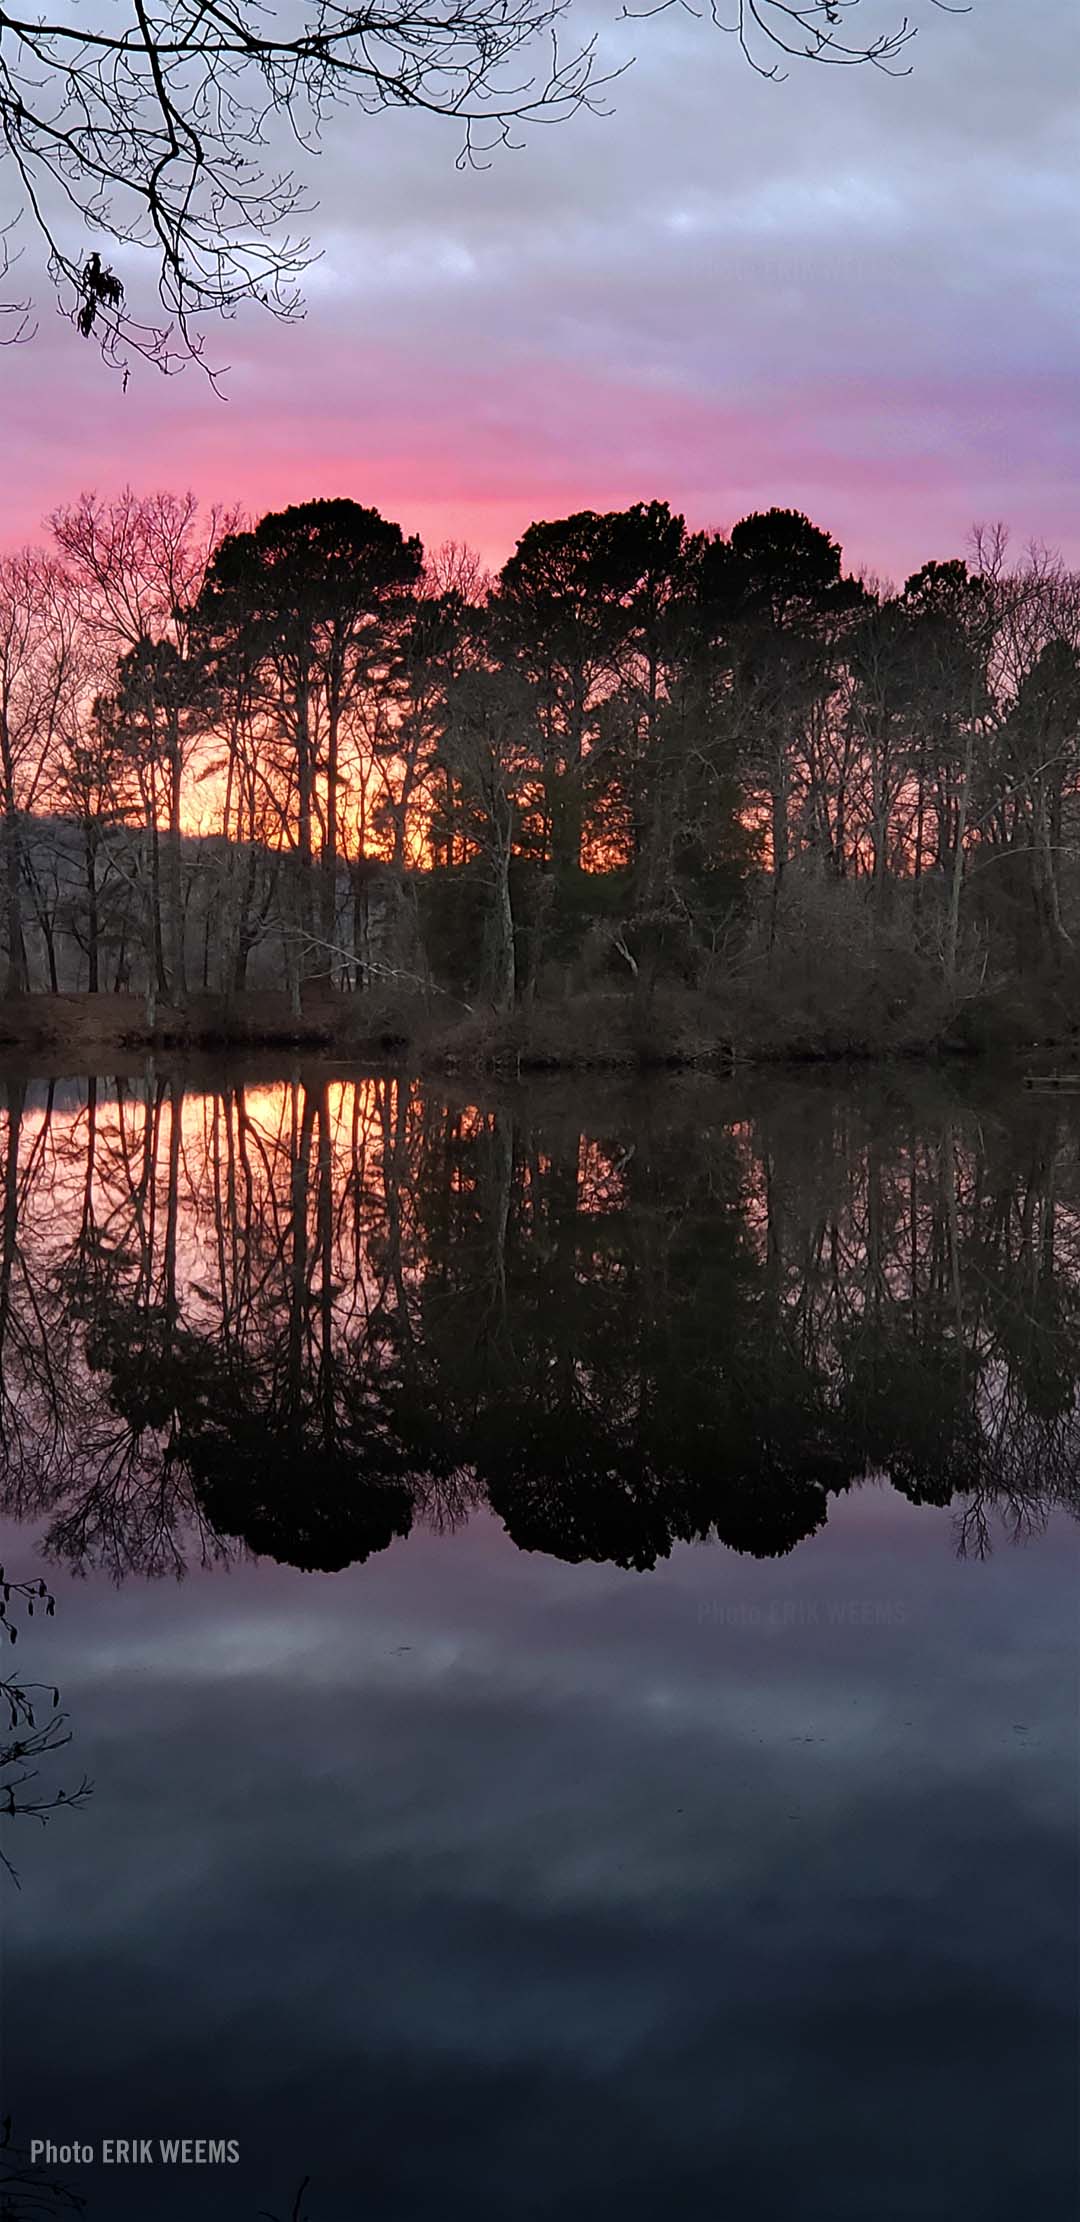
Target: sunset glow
[[846, 293]]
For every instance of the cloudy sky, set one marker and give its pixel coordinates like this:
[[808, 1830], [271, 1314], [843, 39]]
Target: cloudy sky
[[851, 294]]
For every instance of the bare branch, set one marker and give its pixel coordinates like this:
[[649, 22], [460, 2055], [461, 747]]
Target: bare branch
[[152, 126]]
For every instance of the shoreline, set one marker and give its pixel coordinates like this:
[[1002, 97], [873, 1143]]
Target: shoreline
[[581, 1035]]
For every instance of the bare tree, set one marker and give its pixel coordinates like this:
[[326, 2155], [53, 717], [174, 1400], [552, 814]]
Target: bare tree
[[141, 560], [139, 563], [40, 672]]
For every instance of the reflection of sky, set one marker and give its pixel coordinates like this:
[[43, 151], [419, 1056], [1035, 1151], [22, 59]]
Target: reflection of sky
[[851, 293], [470, 1882]]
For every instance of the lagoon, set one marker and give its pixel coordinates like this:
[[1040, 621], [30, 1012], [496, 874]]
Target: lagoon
[[566, 1596]]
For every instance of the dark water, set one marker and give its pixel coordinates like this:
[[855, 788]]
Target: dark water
[[613, 1749]]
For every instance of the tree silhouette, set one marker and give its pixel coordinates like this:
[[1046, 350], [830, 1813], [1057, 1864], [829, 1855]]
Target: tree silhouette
[[311, 602]]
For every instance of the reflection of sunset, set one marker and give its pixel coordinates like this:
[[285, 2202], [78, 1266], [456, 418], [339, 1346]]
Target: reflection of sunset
[[307, 1314]]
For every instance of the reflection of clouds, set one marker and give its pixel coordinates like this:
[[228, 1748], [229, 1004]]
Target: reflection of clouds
[[599, 1952]]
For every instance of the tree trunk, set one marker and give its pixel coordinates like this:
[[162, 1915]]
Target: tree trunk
[[1058, 938], [172, 898], [920, 813], [18, 980], [781, 836], [328, 890], [952, 940], [156, 952], [93, 931], [502, 928], [304, 781]]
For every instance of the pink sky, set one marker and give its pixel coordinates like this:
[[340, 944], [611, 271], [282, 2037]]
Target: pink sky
[[853, 295]]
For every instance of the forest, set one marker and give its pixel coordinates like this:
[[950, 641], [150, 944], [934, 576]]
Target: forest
[[646, 791]]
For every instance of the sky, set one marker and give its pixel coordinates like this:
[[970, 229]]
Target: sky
[[845, 293]]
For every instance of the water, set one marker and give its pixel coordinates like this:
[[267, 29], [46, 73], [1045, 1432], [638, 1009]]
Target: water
[[613, 1747]]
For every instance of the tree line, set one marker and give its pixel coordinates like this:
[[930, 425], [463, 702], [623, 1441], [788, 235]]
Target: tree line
[[303, 753]]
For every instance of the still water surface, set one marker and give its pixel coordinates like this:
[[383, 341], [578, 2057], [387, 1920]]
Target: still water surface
[[612, 1748]]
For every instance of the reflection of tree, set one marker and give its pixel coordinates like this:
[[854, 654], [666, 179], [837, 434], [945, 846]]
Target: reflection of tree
[[307, 1315], [614, 1405], [272, 1479], [281, 1432], [27, 2191], [32, 1727], [105, 1313], [298, 2211], [35, 1388]]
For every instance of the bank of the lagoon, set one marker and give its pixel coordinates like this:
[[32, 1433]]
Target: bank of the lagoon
[[428, 1031]]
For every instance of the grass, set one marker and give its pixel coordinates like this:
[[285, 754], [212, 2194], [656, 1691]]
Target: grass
[[601, 1029]]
